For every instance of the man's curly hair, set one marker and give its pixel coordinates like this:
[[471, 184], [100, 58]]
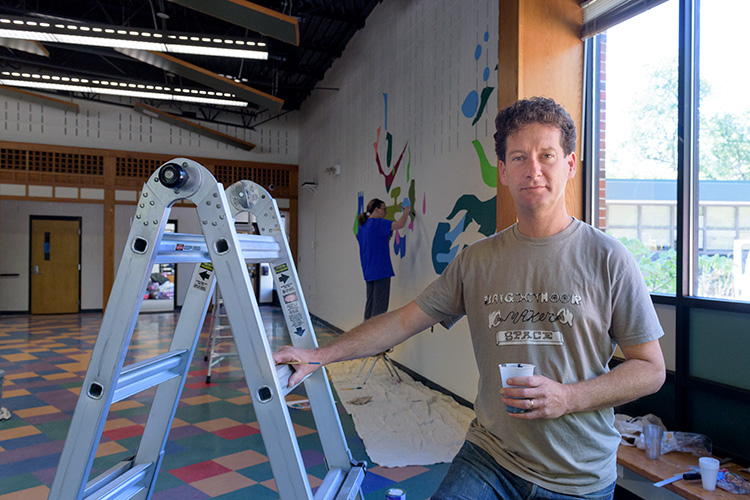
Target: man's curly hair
[[534, 110]]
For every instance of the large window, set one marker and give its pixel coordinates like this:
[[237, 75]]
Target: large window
[[637, 155], [723, 134]]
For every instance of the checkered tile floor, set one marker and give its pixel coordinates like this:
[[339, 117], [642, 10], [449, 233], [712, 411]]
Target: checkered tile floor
[[215, 448]]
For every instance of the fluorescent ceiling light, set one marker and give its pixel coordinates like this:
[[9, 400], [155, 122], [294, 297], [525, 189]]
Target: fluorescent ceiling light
[[83, 85], [99, 35]]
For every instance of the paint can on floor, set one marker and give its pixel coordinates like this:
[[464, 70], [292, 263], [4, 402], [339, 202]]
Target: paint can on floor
[[395, 494]]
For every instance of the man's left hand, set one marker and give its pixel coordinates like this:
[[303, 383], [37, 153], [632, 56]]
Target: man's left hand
[[542, 397]]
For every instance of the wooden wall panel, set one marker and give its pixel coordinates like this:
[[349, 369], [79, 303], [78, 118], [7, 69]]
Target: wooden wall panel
[[111, 170]]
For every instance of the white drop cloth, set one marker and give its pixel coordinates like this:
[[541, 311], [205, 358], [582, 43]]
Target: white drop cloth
[[405, 423]]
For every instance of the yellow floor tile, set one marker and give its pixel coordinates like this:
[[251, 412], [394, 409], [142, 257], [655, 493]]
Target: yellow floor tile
[[109, 448], [14, 358], [15, 392], [199, 400], [240, 460], [17, 376], [125, 405], [58, 376], [117, 423], [19, 432], [217, 424], [35, 493], [35, 412], [73, 367], [240, 400], [223, 483]]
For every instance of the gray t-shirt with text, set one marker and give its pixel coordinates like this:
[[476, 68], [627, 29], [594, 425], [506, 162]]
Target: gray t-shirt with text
[[562, 303]]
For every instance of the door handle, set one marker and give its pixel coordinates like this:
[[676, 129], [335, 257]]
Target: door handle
[[35, 270]]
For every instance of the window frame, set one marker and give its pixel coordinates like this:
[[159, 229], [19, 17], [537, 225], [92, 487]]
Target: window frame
[[685, 301]]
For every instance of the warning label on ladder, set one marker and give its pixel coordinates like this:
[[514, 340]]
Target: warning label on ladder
[[201, 282], [290, 298]]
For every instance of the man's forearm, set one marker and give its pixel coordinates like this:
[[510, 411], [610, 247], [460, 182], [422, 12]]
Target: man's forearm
[[630, 380], [376, 335]]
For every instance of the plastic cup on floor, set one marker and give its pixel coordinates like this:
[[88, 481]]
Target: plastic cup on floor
[[709, 471], [510, 370], [652, 435]]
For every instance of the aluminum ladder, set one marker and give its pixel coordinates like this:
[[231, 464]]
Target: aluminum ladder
[[219, 254]]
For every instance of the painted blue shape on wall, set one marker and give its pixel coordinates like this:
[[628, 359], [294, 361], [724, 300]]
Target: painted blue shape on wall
[[399, 245], [471, 104], [442, 253], [478, 52], [486, 75]]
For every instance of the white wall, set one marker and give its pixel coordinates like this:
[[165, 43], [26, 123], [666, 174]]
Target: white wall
[[15, 248], [422, 55], [105, 126]]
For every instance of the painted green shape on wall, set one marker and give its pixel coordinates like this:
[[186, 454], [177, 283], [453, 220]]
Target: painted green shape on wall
[[489, 171], [483, 102], [392, 210]]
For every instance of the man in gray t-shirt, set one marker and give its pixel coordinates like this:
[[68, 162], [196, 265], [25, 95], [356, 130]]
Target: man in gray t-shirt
[[551, 291]]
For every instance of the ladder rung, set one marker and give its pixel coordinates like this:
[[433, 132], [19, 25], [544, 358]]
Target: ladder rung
[[181, 248], [330, 485], [125, 486], [351, 486], [107, 477], [148, 373]]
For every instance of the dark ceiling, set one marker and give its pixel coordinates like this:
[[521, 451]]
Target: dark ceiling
[[291, 73]]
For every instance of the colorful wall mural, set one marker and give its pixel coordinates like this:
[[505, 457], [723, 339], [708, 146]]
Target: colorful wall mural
[[471, 217], [389, 172]]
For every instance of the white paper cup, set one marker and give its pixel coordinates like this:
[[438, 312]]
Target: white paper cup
[[709, 471], [510, 370]]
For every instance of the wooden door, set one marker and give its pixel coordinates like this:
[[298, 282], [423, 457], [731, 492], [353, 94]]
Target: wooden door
[[55, 265]]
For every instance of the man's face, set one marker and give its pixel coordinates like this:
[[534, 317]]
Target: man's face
[[536, 169]]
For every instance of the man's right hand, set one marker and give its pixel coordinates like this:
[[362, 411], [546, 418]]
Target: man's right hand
[[289, 354]]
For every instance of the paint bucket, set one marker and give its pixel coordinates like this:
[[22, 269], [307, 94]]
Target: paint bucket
[[395, 494]]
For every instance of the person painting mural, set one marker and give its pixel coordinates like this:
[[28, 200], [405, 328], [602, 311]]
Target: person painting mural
[[551, 291], [373, 236]]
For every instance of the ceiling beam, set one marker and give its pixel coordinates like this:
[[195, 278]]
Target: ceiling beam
[[249, 15], [201, 75], [38, 98], [30, 46], [193, 127]]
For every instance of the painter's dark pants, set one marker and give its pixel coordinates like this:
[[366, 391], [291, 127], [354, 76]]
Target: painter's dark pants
[[474, 475], [378, 294]]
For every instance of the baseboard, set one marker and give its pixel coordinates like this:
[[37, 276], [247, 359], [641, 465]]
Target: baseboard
[[416, 376]]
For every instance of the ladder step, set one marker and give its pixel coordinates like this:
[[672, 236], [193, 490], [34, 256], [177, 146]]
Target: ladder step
[[340, 485], [119, 483], [330, 485], [180, 248], [148, 373], [351, 487]]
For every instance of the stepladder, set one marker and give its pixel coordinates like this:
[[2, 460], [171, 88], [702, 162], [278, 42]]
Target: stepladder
[[218, 254]]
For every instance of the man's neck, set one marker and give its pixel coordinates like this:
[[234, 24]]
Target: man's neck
[[541, 227]]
